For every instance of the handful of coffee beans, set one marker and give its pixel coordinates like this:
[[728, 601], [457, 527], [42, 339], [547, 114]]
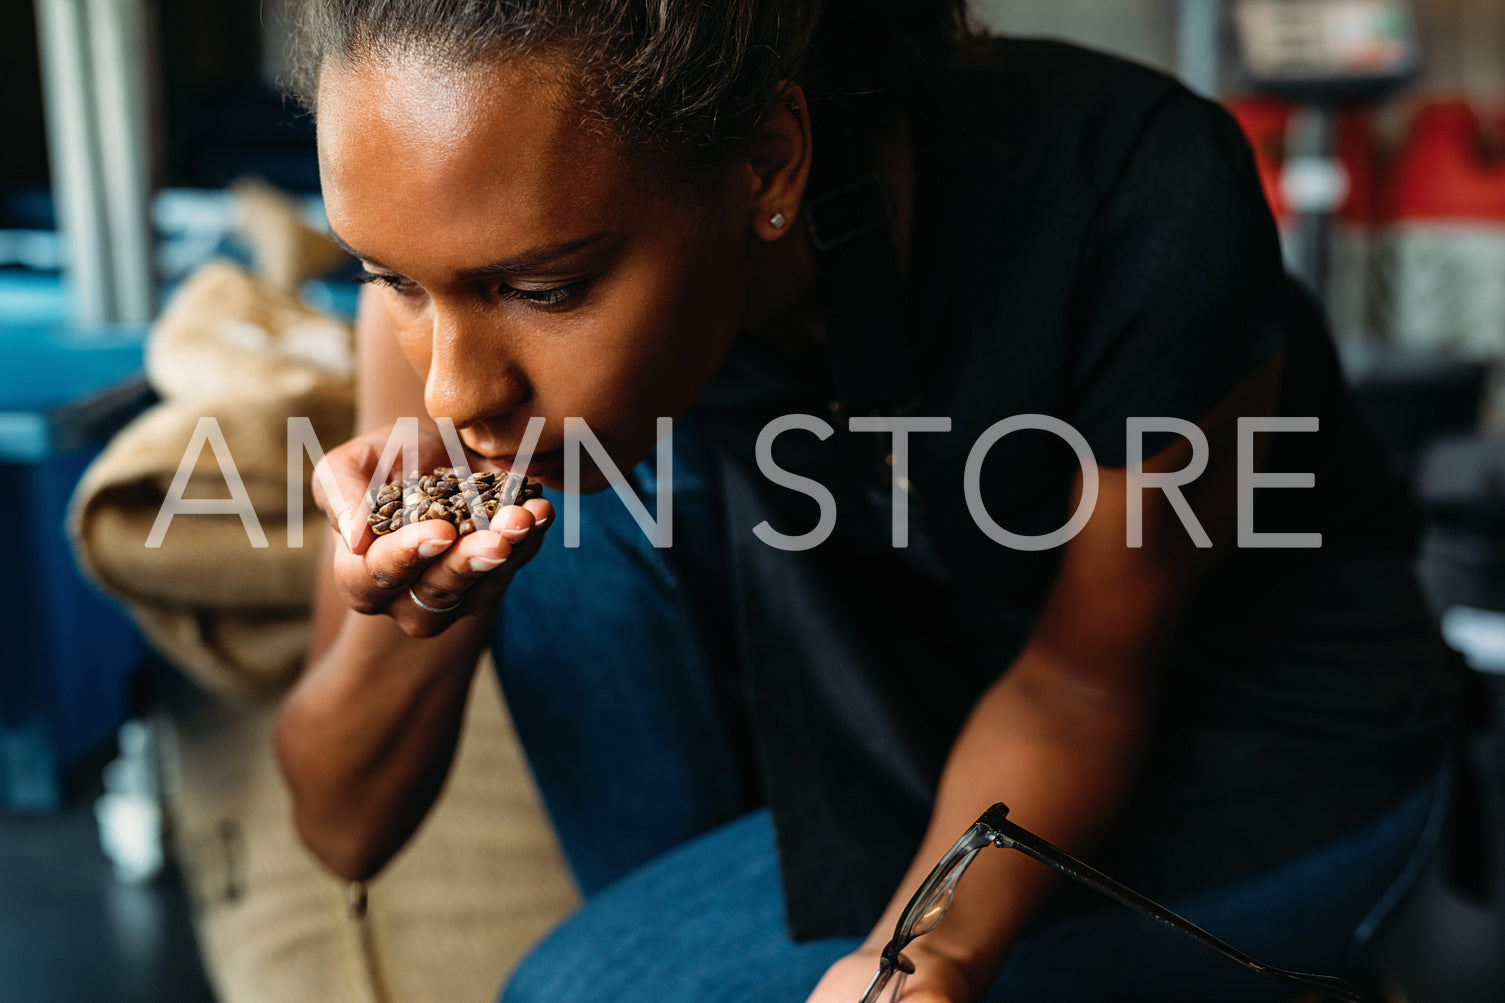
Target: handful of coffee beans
[[444, 494]]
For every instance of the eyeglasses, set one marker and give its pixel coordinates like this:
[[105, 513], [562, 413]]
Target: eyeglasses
[[932, 900]]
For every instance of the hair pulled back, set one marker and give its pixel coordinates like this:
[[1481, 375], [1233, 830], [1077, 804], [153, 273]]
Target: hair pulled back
[[687, 75]]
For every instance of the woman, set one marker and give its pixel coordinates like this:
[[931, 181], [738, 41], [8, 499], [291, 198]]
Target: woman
[[756, 742]]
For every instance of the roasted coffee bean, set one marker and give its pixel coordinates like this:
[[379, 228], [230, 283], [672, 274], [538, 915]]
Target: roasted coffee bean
[[508, 487], [466, 503]]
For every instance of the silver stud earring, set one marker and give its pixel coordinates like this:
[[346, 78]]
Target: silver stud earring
[[777, 221]]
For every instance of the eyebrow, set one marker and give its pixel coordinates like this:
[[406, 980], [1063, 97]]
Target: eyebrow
[[528, 261]]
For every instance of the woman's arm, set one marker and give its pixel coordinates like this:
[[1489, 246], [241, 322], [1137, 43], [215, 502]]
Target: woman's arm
[[366, 737], [1059, 736]]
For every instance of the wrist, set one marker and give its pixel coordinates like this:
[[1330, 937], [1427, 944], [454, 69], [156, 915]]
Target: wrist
[[975, 963], [978, 963]]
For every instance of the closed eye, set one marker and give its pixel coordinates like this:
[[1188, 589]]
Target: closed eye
[[553, 299], [396, 282], [558, 298]]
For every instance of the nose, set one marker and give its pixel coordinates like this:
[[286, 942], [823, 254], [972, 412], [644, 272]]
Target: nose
[[473, 379]]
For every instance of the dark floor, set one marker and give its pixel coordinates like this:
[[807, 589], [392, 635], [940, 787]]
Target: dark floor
[[70, 933]]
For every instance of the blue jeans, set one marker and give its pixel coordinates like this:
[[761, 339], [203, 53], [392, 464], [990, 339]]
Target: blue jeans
[[705, 924], [642, 761]]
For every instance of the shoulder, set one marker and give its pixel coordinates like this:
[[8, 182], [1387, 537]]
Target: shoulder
[[1049, 121]]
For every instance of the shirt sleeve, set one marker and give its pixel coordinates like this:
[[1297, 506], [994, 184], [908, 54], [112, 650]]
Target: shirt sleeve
[[1180, 290]]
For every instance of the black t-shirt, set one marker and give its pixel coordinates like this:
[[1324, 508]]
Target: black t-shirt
[[1090, 244]]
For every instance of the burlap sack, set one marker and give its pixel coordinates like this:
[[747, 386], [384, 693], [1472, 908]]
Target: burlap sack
[[228, 335], [446, 922], [231, 614]]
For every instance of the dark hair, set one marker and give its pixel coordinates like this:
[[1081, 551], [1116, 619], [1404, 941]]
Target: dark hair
[[690, 75]]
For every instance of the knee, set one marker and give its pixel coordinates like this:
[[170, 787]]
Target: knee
[[542, 977], [574, 964]]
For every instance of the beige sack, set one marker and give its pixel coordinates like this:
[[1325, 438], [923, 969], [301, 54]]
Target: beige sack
[[481, 881], [231, 614]]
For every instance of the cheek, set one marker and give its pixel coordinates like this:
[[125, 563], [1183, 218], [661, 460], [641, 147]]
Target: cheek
[[683, 330], [649, 354], [415, 339]]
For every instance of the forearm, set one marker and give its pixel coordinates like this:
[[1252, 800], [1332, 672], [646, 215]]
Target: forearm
[[1061, 755], [366, 738]]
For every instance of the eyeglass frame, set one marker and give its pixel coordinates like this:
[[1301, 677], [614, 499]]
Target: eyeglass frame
[[993, 828]]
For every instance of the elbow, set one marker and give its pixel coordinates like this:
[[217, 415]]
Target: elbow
[[334, 837], [343, 853]]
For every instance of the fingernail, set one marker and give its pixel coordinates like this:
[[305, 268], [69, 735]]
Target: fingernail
[[541, 523], [481, 565], [515, 534], [433, 548]]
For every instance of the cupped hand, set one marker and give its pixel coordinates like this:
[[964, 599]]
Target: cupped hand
[[936, 979], [458, 575]]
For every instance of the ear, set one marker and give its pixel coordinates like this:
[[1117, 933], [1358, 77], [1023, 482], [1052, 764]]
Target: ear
[[778, 164]]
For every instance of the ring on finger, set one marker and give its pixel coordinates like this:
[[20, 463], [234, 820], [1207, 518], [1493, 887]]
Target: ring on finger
[[432, 609]]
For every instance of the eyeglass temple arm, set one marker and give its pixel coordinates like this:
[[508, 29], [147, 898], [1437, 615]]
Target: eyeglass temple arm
[[1026, 842]]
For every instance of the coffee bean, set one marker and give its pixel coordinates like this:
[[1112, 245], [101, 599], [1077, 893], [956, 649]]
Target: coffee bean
[[467, 504]]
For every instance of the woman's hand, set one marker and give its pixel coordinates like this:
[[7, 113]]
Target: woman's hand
[[373, 574], [936, 979]]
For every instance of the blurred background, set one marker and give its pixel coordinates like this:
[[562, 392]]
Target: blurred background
[[149, 137]]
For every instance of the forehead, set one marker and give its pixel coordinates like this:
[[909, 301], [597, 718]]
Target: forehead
[[462, 162]]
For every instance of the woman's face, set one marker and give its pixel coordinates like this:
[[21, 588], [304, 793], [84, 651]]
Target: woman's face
[[532, 267]]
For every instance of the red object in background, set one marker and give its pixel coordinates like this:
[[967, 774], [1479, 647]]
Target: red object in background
[[1266, 122], [1451, 167]]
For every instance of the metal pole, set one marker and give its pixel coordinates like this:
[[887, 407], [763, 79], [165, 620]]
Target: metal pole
[[1311, 145], [1199, 41], [76, 176], [118, 33]]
